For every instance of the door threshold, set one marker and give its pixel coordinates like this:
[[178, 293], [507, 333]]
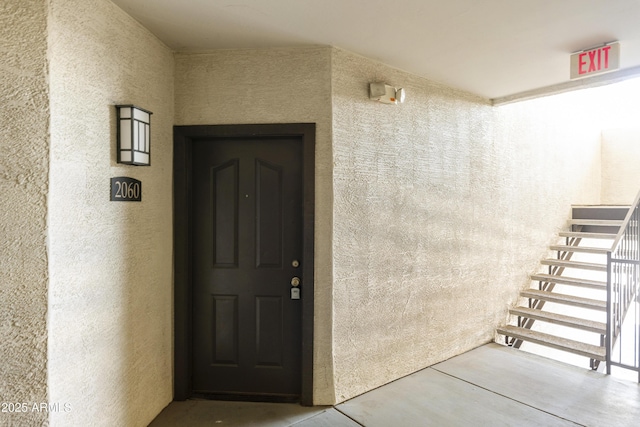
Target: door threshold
[[245, 397]]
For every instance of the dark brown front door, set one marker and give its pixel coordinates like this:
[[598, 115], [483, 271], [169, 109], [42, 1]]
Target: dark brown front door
[[247, 240]]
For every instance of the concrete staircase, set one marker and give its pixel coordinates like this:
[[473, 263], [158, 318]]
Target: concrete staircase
[[565, 309]]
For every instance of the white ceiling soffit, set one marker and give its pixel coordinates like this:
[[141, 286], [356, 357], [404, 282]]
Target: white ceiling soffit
[[498, 49]]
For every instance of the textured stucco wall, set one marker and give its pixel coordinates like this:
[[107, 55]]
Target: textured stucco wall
[[620, 165], [618, 108], [110, 299], [274, 86], [442, 205], [24, 165]]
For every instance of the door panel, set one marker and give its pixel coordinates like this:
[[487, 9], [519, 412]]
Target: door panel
[[246, 231], [269, 219], [224, 345], [269, 331], [224, 194]]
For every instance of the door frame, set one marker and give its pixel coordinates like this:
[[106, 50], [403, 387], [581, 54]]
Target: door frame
[[183, 137]]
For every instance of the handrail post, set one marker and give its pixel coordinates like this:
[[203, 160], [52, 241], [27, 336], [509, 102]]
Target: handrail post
[[622, 284], [635, 296], [608, 341]]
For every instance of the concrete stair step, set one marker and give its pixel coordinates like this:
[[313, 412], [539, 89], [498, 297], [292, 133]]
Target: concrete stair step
[[604, 226], [611, 212], [598, 222], [582, 235], [560, 319], [571, 346], [582, 249], [574, 264], [571, 300], [573, 281]]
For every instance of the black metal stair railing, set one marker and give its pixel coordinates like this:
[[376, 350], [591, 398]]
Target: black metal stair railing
[[623, 301]]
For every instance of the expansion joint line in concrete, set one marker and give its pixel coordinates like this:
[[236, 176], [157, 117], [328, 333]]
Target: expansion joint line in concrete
[[507, 397]]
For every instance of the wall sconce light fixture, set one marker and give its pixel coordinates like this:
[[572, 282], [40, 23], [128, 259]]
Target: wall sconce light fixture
[[384, 93], [134, 141]]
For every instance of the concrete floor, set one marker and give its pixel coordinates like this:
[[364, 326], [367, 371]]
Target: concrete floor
[[489, 386]]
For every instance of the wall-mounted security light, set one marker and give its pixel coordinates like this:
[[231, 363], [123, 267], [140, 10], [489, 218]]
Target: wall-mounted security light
[[382, 92], [134, 141]]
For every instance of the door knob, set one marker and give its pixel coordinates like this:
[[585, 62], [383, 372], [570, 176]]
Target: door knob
[[295, 281]]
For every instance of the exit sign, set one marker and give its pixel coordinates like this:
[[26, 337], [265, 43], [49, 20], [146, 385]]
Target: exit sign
[[595, 61]]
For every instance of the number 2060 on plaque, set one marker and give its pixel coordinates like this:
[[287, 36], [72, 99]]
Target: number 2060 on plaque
[[124, 189]]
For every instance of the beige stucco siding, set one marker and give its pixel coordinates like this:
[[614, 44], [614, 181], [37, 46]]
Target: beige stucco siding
[[620, 165], [438, 211], [110, 299], [429, 215], [24, 184], [274, 86], [442, 205]]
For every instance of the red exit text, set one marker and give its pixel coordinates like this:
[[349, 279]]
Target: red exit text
[[595, 61]]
